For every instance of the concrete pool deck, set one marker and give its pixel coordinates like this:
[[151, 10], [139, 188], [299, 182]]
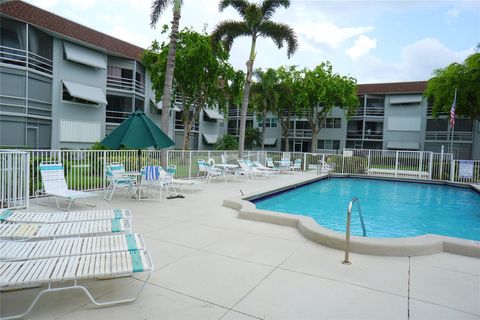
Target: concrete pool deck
[[212, 265]]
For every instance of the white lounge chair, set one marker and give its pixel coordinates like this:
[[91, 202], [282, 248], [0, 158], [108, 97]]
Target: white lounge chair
[[324, 167], [26, 231], [60, 217], [155, 177], [211, 172], [117, 179], [261, 167], [54, 184], [249, 171], [63, 247], [34, 272], [297, 165]]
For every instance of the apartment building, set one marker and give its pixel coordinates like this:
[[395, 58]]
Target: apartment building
[[394, 116], [64, 85]]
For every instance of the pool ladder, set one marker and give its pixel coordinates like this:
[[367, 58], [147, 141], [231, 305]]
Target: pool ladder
[[347, 233]]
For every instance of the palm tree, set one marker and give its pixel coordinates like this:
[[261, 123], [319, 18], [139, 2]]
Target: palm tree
[[158, 7], [264, 96], [256, 23]]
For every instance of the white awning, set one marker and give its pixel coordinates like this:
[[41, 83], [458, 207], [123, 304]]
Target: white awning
[[82, 91], [210, 138], [159, 106], [213, 114], [403, 145], [270, 141], [84, 56], [406, 99]]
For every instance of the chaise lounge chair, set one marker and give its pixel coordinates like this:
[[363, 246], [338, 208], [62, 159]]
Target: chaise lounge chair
[[63, 247], [34, 272], [26, 231], [54, 184], [9, 215]]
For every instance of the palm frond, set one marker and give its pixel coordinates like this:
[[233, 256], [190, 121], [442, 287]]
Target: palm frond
[[157, 8], [227, 31], [269, 7], [239, 5], [279, 33]]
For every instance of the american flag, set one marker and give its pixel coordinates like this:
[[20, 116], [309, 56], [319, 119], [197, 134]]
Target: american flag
[[452, 110]]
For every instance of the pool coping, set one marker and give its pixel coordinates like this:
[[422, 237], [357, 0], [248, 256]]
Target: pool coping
[[412, 246]]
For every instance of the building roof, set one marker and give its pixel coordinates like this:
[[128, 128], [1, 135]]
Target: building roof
[[392, 87], [49, 21]]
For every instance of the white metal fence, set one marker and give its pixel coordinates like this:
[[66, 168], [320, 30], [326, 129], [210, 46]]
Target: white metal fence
[[84, 169], [14, 179]]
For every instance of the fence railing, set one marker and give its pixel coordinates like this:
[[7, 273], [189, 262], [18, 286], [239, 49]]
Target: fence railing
[[84, 169], [14, 179]]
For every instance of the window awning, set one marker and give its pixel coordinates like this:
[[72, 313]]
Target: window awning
[[403, 145], [270, 141], [84, 56], [406, 99], [213, 114], [159, 106], [85, 92], [210, 138]]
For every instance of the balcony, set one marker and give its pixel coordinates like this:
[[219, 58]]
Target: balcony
[[233, 131], [22, 58], [445, 136], [126, 84]]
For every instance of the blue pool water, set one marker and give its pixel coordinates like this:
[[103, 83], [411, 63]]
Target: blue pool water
[[391, 209]]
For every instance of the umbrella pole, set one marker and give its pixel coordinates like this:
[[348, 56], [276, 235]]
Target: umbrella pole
[[139, 155]]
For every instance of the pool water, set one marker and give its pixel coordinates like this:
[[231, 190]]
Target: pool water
[[391, 209]]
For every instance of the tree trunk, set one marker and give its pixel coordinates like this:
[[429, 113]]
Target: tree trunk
[[313, 147], [246, 96], [167, 87], [263, 128], [186, 131]]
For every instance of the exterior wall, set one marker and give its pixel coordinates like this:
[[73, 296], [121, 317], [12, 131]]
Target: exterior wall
[[65, 110], [404, 123], [335, 133]]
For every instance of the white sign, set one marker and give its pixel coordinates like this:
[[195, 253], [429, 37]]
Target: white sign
[[465, 169]]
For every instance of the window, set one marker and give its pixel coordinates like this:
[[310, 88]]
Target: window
[[12, 34], [40, 43], [67, 97], [328, 144], [118, 108], [269, 123], [332, 123], [139, 104]]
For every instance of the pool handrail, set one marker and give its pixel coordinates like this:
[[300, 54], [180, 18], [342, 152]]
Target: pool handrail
[[347, 232]]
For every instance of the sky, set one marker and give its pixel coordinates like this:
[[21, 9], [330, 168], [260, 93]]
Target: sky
[[373, 41]]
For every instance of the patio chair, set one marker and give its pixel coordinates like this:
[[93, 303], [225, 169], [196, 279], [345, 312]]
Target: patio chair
[[297, 165], [9, 215], [64, 247], [211, 172], [284, 165], [117, 179], [269, 162], [324, 167], [54, 184], [60, 270], [27, 231]]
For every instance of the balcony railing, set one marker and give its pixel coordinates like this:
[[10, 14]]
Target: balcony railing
[[233, 131], [430, 112], [127, 84], [370, 112], [445, 136], [368, 134], [20, 58], [179, 125], [116, 116], [237, 113], [300, 133]]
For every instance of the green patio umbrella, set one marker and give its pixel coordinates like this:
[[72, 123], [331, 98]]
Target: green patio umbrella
[[137, 132]]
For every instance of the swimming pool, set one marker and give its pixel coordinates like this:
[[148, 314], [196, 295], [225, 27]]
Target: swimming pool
[[391, 209]]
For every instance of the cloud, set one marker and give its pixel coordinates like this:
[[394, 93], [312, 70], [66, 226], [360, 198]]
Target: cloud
[[451, 15], [328, 33], [362, 46], [417, 62], [45, 4], [127, 35], [81, 5]]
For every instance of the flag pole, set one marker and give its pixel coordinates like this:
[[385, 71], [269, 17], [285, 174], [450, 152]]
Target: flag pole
[[452, 120]]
